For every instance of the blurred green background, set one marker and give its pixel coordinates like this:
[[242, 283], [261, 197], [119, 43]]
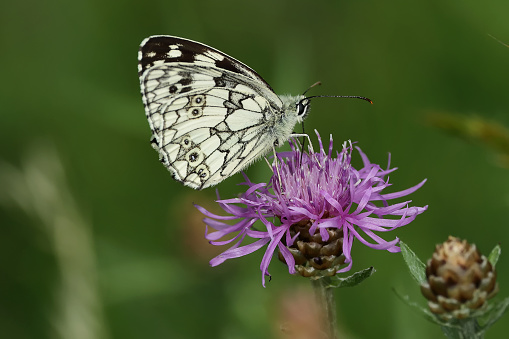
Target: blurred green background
[[97, 240]]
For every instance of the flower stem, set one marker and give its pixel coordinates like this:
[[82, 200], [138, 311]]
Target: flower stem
[[464, 329], [325, 300]]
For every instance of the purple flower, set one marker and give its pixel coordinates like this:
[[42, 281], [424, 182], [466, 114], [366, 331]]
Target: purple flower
[[315, 196]]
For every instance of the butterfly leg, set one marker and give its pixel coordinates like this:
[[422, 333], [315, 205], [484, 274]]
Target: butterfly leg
[[303, 135], [277, 169], [311, 150]]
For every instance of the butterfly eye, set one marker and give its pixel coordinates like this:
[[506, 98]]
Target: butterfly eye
[[302, 108]]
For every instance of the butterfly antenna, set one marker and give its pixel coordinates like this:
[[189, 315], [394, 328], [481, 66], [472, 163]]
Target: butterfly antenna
[[341, 96], [318, 83]]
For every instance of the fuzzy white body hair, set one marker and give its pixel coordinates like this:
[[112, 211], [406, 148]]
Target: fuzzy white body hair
[[283, 128]]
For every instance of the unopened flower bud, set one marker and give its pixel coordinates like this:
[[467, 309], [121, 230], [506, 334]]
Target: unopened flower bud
[[459, 280]]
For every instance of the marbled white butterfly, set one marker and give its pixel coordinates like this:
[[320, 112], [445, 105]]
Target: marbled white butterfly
[[210, 115]]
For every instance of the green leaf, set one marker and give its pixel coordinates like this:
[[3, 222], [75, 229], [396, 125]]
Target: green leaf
[[424, 311], [494, 255], [353, 280], [415, 265], [495, 312]]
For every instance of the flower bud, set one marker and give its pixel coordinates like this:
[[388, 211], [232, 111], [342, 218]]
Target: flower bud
[[459, 280]]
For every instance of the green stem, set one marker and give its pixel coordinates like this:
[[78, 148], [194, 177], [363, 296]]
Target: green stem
[[325, 299], [464, 329]]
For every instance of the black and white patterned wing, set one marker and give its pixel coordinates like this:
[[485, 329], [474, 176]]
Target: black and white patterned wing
[[159, 49], [210, 115]]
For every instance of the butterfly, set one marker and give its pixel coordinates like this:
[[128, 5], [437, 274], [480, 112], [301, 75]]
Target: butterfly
[[211, 115]]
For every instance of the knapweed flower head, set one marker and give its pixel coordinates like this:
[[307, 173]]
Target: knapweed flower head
[[312, 209]]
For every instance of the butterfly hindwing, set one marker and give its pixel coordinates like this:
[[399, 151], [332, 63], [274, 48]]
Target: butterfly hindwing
[[203, 132]]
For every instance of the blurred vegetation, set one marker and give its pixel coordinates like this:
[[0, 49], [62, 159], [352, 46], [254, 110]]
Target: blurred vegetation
[[99, 242], [476, 129]]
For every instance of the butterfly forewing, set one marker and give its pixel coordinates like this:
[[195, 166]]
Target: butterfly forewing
[[155, 49], [210, 115]]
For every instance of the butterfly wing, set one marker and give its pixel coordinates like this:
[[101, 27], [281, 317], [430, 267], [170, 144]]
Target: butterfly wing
[[159, 49], [210, 115]]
